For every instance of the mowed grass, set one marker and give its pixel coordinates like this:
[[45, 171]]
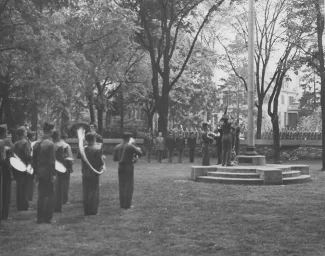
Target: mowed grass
[[175, 216]]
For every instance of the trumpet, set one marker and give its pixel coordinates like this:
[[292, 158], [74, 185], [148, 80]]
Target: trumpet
[[81, 137]]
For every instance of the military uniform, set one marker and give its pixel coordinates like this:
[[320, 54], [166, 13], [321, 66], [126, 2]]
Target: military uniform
[[219, 145], [180, 145], [31, 178], [160, 147], [170, 145], [44, 167], [60, 157], [90, 179], [66, 179], [226, 143], [149, 143], [22, 149], [191, 145], [123, 153]]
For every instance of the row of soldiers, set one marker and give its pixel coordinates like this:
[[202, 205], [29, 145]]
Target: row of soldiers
[[293, 135], [179, 141]]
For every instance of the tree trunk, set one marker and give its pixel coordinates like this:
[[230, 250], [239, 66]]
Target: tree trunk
[[276, 138], [91, 109], [259, 121], [163, 114], [100, 112]]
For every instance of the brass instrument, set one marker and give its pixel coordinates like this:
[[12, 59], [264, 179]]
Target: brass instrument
[[81, 137], [135, 157]]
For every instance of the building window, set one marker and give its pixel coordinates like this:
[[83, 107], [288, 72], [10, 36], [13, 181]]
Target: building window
[[285, 119], [291, 100], [282, 99]]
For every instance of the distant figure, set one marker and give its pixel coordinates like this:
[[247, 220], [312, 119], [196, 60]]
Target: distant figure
[[31, 135], [69, 165], [237, 134], [180, 145], [124, 155], [149, 143], [170, 145], [160, 146], [191, 145], [226, 142], [218, 140], [206, 141]]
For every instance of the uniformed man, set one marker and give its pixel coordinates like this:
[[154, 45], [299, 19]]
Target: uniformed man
[[31, 136], [149, 143], [170, 145], [180, 145], [218, 140], [206, 141], [6, 172], [191, 145], [22, 149], [93, 128], [69, 165], [90, 179], [226, 142], [2, 162], [44, 167], [123, 154], [160, 146]]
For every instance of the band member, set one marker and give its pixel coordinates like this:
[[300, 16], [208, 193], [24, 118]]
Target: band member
[[160, 146], [31, 135], [180, 145], [6, 172], [219, 143], [170, 145], [191, 145], [69, 165], [123, 153], [2, 162], [226, 142], [237, 142], [22, 149], [206, 141], [44, 167], [90, 179], [149, 143], [93, 128]]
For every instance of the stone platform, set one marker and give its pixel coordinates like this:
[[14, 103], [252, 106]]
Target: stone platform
[[267, 174]]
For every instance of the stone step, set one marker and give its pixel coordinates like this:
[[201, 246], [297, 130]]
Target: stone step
[[236, 169], [234, 175], [290, 174], [296, 180], [237, 181]]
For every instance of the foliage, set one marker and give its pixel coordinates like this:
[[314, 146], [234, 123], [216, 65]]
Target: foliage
[[311, 123]]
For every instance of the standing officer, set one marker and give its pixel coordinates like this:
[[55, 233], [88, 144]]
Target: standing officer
[[160, 146], [180, 145], [170, 145], [206, 141], [6, 172], [123, 154], [191, 145], [226, 141], [44, 167], [22, 149], [149, 143]]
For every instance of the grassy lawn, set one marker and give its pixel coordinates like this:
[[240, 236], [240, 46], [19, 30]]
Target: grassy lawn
[[175, 216]]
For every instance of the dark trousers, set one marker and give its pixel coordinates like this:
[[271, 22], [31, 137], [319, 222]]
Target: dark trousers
[[45, 201], [65, 187], [22, 191], [180, 155], [219, 153], [30, 187], [5, 192], [126, 184], [159, 155], [205, 157], [58, 198], [237, 146], [226, 150], [90, 185], [170, 155], [191, 153]]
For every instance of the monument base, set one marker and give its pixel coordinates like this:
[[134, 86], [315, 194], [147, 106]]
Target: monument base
[[251, 160]]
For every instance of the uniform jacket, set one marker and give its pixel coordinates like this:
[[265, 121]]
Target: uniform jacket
[[123, 153], [170, 143], [94, 155], [180, 143], [191, 143], [160, 143], [22, 149]]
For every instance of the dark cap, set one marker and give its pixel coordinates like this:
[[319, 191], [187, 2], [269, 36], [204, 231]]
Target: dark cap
[[21, 131], [31, 133], [48, 127], [90, 136], [3, 128], [127, 135], [56, 135]]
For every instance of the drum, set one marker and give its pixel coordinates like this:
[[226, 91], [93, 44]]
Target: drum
[[17, 164], [60, 167]]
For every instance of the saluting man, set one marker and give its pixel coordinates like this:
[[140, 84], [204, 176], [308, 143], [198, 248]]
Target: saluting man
[[22, 149], [123, 154], [44, 167], [6, 172], [90, 179]]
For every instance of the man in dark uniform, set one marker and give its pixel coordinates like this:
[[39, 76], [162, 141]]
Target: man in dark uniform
[[69, 165], [31, 181], [44, 167], [2, 162], [93, 128], [22, 149], [170, 145], [149, 143], [191, 145], [206, 141], [237, 140], [6, 172], [90, 179], [124, 153], [226, 141], [218, 140], [180, 145]]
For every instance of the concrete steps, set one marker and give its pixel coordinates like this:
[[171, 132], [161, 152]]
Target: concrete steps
[[252, 175]]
